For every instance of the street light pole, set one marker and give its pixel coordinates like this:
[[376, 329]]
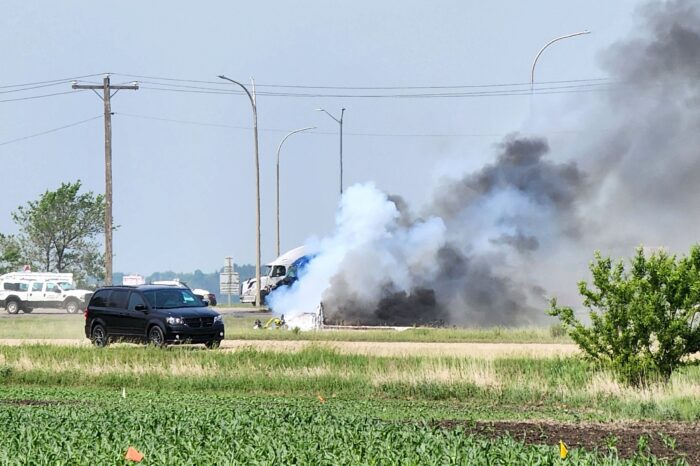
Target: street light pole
[[340, 122], [257, 185], [278, 180], [532, 73]]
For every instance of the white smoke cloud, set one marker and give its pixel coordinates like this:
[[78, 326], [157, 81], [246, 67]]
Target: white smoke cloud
[[371, 248], [493, 243]]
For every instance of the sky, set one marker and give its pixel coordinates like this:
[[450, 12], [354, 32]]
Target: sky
[[184, 174]]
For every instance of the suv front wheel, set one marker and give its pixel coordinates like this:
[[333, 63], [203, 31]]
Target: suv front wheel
[[156, 337], [12, 307], [212, 344]]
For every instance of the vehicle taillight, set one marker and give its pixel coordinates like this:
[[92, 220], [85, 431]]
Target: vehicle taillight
[[85, 313]]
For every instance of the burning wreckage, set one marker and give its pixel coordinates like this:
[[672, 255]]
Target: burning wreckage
[[396, 308]]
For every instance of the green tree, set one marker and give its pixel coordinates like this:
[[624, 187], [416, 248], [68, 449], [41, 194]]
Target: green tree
[[59, 231], [10, 253], [645, 321]]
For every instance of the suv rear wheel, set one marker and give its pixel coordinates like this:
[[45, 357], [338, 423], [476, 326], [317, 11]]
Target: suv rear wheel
[[12, 307], [156, 337], [99, 336]]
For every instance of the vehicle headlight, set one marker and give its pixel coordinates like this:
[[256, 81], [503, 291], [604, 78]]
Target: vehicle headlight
[[174, 320], [219, 319]]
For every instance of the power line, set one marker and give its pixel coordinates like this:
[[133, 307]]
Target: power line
[[61, 80], [525, 88], [490, 89], [512, 92], [50, 131], [297, 86], [324, 133], [39, 86], [39, 96]]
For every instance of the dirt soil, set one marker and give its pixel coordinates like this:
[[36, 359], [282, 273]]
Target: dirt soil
[[592, 436]]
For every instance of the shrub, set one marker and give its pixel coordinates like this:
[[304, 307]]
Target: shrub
[[557, 331], [645, 320]]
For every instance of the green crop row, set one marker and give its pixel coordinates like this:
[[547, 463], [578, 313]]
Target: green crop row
[[205, 429], [567, 387]]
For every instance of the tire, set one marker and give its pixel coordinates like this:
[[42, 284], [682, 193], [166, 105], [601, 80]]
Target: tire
[[12, 306], [156, 337], [213, 344], [72, 306], [99, 336]]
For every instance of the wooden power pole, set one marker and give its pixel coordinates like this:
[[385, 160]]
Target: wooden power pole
[[106, 97]]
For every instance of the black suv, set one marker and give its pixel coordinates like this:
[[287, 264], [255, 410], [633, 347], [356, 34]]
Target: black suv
[[156, 314]]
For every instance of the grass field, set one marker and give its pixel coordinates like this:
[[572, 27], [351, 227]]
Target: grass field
[[419, 396], [566, 388], [316, 406], [241, 328]]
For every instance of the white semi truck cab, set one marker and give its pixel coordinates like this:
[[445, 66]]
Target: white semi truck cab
[[273, 273]]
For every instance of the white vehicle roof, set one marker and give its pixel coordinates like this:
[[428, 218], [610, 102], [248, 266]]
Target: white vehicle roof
[[288, 257], [38, 276], [175, 282]]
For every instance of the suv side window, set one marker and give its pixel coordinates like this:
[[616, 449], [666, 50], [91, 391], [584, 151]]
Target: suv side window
[[99, 299], [134, 300], [37, 286], [118, 299]]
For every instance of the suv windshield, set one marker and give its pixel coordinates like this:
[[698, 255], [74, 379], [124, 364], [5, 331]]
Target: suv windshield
[[65, 286], [172, 298]]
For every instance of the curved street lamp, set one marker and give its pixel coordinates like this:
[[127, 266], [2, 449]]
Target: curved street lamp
[[340, 122], [257, 185], [278, 180], [532, 73]]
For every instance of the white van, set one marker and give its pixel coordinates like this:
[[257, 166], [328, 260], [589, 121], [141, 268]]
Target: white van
[[271, 274]]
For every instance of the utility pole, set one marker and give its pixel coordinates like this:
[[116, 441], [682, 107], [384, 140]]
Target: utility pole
[[107, 99]]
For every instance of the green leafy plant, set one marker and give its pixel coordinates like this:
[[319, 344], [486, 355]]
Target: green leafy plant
[[668, 440], [645, 320], [642, 444], [611, 442], [10, 253]]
